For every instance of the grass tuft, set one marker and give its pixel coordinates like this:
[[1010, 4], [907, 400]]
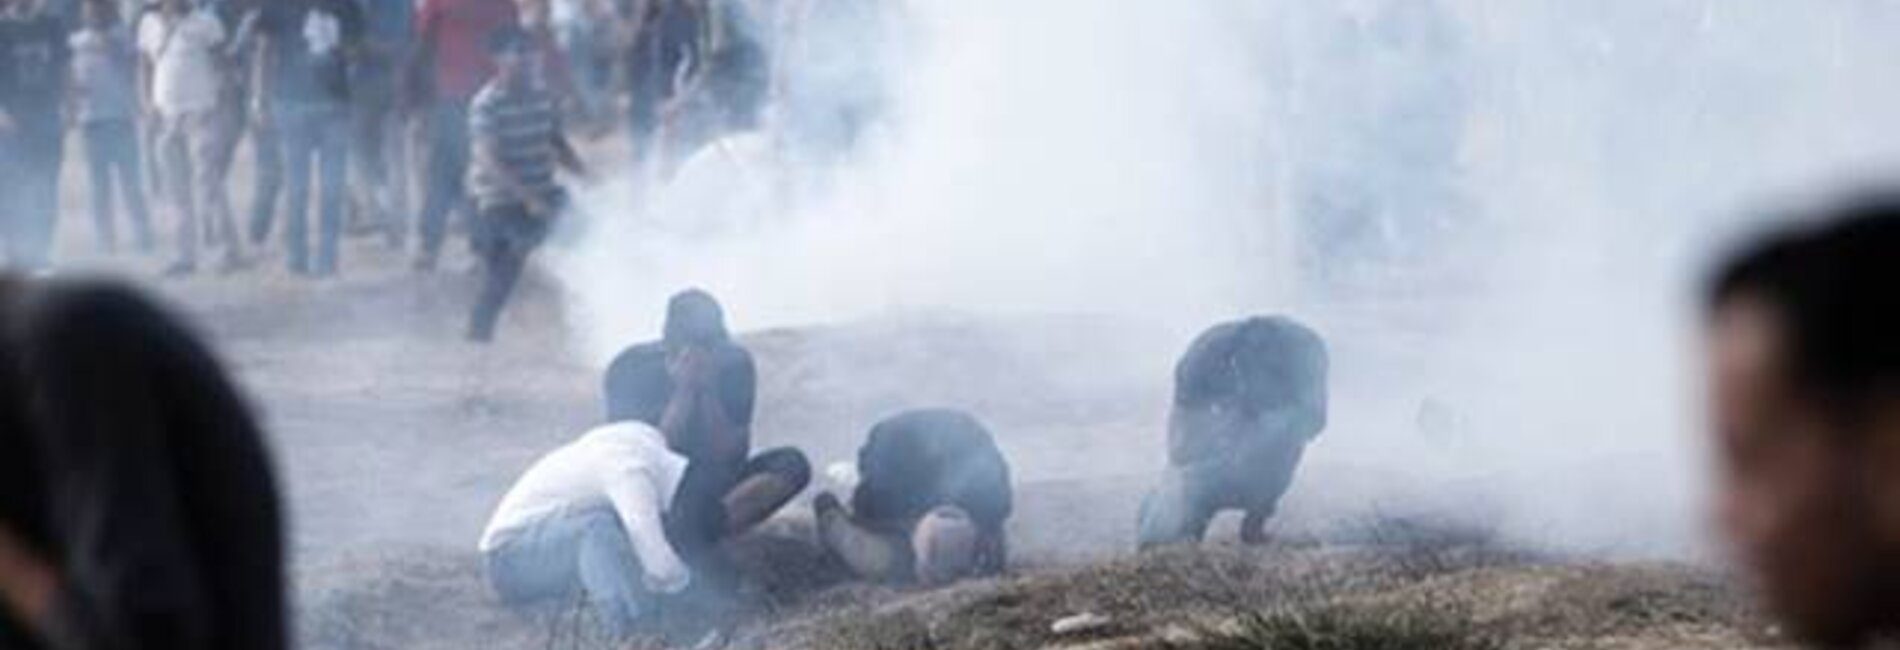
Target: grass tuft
[[1340, 626]]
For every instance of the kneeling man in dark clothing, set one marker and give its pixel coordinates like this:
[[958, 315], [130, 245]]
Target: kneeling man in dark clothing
[[931, 504], [1248, 397], [697, 387], [137, 504]]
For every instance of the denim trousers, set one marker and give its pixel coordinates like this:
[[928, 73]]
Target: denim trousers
[[584, 553]]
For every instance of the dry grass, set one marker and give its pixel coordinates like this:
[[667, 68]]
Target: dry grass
[[1342, 626], [1423, 591]]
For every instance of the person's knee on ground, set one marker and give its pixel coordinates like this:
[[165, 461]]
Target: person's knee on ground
[[869, 554], [608, 570], [772, 479], [945, 546]]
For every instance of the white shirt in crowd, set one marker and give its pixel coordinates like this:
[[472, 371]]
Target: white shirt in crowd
[[183, 53], [625, 466]]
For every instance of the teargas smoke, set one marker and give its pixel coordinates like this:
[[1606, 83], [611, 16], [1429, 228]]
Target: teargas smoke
[[1495, 211]]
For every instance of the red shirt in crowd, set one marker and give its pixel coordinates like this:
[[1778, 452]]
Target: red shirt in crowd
[[457, 33]]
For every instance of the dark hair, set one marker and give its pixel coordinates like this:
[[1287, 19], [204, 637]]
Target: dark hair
[[1833, 283], [22, 504], [508, 38], [694, 317]]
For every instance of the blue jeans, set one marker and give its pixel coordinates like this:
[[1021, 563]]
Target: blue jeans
[[573, 554], [112, 159], [503, 236], [29, 189], [267, 180], [379, 162], [314, 135], [448, 155]]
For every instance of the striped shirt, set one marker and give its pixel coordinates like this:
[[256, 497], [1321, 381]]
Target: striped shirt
[[520, 126]]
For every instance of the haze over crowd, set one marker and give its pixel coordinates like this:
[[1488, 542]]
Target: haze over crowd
[[1501, 209]]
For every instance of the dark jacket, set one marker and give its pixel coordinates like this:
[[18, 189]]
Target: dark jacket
[[919, 460], [638, 387], [1245, 381]]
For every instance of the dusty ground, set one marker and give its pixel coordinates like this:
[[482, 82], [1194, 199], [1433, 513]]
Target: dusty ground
[[394, 439]]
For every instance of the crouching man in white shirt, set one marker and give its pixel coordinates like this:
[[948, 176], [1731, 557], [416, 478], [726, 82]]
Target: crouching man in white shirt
[[587, 517]]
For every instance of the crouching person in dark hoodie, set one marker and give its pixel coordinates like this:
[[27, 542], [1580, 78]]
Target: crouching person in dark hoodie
[[931, 504], [1248, 397]]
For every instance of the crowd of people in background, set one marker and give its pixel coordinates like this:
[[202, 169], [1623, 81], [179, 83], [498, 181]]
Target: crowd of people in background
[[364, 108]]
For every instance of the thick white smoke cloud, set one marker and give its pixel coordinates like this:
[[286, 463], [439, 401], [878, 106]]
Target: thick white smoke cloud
[[1160, 161], [1051, 156]]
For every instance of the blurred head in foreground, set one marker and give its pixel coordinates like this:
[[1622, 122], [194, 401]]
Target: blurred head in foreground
[[1805, 378]]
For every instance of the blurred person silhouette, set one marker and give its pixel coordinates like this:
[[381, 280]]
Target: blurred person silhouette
[[724, 86], [1805, 399], [244, 19], [1248, 397], [138, 507], [449, 64], [33, 57], [660, 40], [930, 506], [519, 143], [181, 79], [553, 71], [105, 112], [698, 387], [303, 89], [379, 158]]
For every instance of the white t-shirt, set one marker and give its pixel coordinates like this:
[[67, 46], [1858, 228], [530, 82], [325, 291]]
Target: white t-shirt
[[624, 465], [184, 64]]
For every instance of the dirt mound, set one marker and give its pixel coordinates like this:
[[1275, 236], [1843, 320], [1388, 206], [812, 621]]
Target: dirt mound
[[1294, 598], [1472, 596]]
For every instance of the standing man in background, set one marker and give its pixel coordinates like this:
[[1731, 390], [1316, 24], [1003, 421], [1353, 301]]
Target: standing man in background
[[105, 112], [662, 38], [33, 57], [379, 152], [180, 83], [450, 64], [303, 89], [267, 153]]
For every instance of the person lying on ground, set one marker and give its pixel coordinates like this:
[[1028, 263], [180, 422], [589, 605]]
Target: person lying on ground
[[139, 508], [588, 518], [930, 506], [1805, 376], [1248, 397], [698, 386]]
